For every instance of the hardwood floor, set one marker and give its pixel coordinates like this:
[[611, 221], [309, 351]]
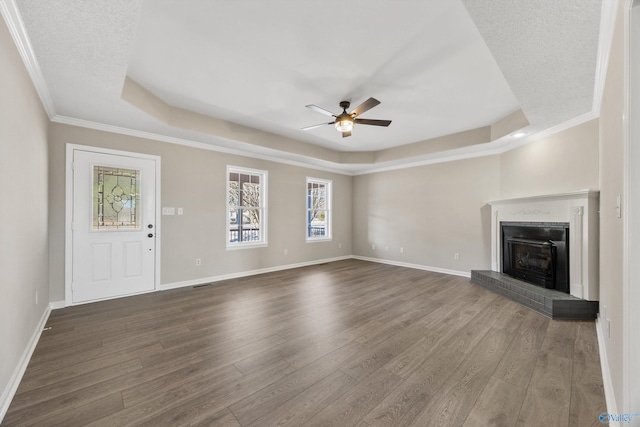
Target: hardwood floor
[[349, 343]]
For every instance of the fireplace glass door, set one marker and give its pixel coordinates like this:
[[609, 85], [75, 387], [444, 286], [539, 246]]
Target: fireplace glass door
[[537, 253], [532, 260]]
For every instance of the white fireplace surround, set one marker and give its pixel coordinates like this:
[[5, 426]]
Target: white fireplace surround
[[580, 210]]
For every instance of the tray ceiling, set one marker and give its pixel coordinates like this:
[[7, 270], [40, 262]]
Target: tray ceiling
[[237, 75]]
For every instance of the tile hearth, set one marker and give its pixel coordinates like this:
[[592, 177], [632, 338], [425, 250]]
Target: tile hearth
[[551, 303]]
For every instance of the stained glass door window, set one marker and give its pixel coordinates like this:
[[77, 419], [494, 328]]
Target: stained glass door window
[[116, 198]]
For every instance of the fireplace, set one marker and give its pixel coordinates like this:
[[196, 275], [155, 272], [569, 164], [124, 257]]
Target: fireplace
[[575, 217], [537, 253], [532, 236]]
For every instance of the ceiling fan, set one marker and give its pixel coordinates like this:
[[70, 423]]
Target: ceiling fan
[[344, 122]]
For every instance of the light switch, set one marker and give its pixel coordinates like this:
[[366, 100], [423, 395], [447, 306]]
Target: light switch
[[180, 211], [168, 211]]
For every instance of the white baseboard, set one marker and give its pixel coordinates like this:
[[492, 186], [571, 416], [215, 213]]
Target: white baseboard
[[607, 382], [416, 266], [221, 277], [55, 305], [18, 372]]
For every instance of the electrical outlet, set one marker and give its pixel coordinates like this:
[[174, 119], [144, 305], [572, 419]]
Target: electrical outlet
[[386, 248], [401, 250], [180, 211], [286, 251], [198, 262], [373, 247], [339, 245], [456, 256]]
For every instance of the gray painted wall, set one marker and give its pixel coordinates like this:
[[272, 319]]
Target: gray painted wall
[[195, 180], [611, 227], [563, 162], [23, 216], [432, 212], [436, 211], [448, 216]]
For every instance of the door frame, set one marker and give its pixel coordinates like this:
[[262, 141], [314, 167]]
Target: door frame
[[68, 235]]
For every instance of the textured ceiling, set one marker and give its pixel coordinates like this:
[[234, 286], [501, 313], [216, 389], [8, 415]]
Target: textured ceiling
[[440, 67], [547, 51]]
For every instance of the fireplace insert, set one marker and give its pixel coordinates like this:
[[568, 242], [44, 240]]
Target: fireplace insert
[[537, 253]]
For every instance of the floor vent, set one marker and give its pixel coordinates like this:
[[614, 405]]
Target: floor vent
[[202, 286]]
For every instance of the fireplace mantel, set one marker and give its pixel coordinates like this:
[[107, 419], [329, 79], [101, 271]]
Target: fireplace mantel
[[580, 210]]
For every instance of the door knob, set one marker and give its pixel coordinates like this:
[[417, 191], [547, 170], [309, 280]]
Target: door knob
[[150, 235]]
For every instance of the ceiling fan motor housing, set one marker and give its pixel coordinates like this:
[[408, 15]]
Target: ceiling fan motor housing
[[345, 121]]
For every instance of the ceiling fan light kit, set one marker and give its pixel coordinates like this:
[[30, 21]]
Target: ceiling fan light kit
[[345, 122], [344, 125]]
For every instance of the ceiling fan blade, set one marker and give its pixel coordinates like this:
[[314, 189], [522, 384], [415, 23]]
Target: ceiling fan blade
[[346, 134], [317, 126], [372, 122], [366, 105], [320, 110]]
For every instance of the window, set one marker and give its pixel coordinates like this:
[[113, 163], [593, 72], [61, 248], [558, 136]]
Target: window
[[318, 209], [246, 207]]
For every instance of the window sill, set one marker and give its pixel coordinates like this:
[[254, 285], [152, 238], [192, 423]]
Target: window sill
[[247, 246], [319, 239]]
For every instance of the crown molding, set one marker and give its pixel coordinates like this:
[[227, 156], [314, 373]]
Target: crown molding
[[583, 118], [439, 157], [487, 149], [12, 17], [480, 150], [303, 162], [605, 38]]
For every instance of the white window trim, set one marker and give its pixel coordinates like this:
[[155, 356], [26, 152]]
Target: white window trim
[[329, 185], [263, 202]]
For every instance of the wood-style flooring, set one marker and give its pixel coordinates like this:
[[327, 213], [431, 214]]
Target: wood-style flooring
[[348, 343]]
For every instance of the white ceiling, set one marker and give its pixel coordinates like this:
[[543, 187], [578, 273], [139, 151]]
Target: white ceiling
[[439, 67], [260, 65]]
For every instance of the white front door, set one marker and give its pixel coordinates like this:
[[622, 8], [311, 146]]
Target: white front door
[[113, 225]]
